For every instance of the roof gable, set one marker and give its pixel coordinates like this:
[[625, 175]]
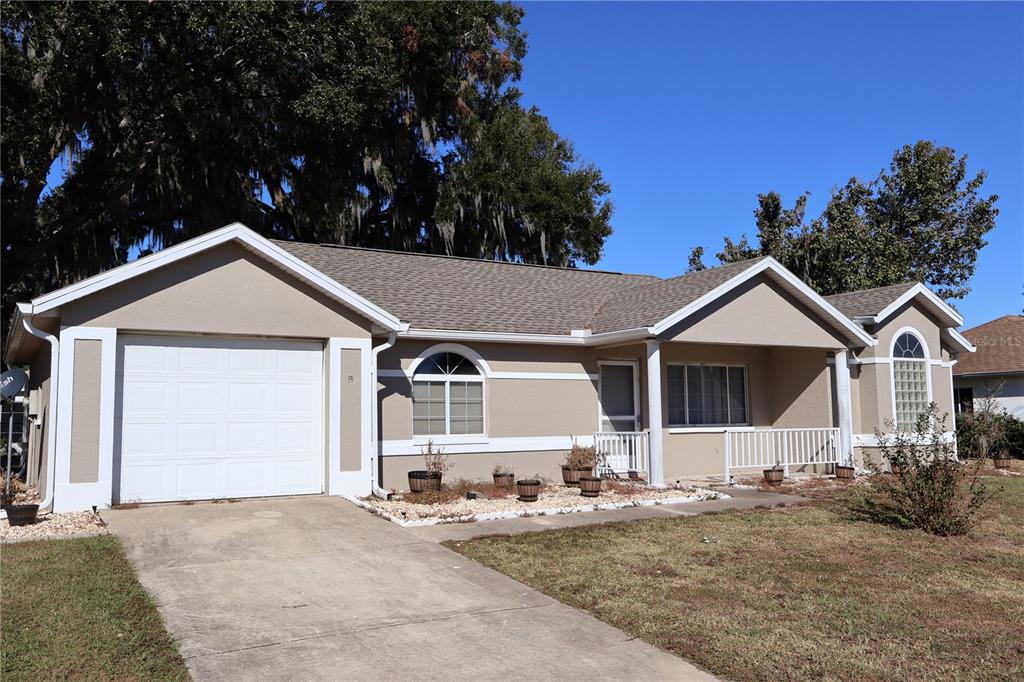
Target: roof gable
[[235, 232]]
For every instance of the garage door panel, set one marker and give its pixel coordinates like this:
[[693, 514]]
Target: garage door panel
[[196, 396], [210, 418], [146, 482], [145, 396], [197, 439]]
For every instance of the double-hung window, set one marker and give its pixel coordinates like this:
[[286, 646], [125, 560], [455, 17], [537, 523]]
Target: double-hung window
[[447, 397], [910, 380], [707, 395]]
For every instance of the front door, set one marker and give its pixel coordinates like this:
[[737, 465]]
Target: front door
[[619, 396]]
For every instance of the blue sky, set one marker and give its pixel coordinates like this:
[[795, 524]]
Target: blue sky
[[692, 109]]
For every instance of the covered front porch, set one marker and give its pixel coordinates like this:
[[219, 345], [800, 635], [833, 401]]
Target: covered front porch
[[672, 410]]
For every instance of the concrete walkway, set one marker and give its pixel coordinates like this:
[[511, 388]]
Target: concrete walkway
[[739, 499], [318, 589]]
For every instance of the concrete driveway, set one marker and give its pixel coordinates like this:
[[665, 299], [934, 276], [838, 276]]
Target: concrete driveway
[[316, 588]]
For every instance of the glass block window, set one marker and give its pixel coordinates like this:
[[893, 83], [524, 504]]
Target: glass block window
[[447, 397], [706, 395], [910, 380]]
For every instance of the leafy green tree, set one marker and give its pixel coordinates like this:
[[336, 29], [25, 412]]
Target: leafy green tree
[[922, 219], [392, 125]]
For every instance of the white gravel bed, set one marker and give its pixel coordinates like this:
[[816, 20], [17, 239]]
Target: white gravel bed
[[54, 526], [553, 500]]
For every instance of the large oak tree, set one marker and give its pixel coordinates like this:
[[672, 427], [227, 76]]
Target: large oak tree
[[390, 125]]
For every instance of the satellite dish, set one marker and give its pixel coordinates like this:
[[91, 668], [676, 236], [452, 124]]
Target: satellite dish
[[12, 381]]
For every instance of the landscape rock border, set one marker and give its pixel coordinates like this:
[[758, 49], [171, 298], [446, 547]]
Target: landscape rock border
[[697, 495]]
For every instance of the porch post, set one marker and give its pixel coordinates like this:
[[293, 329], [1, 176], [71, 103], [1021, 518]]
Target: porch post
[[657, 472], [844, 407]]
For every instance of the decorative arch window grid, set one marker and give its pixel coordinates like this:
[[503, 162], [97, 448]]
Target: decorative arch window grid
[[447, 397], [910, 380]]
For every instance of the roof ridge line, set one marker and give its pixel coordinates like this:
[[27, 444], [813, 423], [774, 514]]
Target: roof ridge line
[[466, 258]]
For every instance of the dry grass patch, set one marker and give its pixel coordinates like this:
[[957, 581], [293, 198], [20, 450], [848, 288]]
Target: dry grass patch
[[811, 592]]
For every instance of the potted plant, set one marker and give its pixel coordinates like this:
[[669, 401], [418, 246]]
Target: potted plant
[[528, 489], [590, 486], [1001, 460], [503, 476], [19, 501], [579, 461], [844, 472], [435, 463], [774, 475]]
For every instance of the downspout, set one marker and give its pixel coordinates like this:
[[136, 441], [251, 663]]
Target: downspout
[[374, 461], [51, 427]]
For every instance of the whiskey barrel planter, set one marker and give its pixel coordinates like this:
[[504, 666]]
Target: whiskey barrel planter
[[773, 476], [504, 480], [21, 514], [528, 489], [590, 486], [420, 481], [1001, 461], [845, 473]]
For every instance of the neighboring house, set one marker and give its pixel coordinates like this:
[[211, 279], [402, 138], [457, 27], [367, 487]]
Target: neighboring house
[[232, 366], [997, 368]]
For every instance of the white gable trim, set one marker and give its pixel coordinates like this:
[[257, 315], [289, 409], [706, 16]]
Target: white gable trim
[[233, 232], [954, 318], [768, 264], [958, 340]]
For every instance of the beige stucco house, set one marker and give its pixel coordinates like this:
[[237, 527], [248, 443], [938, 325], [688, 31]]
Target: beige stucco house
[[233, 366]]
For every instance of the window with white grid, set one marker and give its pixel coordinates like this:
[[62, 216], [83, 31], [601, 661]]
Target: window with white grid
[[447, 397]]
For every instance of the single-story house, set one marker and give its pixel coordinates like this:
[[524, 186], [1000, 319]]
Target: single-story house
[[995, 370], [232, 365]]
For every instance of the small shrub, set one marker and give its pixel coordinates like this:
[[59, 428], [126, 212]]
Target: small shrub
[[582, 456], [930, 488], [1013, 435], [982, 431], [435, 460], [501, 469]]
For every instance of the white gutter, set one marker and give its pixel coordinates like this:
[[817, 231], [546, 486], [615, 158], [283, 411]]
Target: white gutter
[[374, 460], [51, 427]]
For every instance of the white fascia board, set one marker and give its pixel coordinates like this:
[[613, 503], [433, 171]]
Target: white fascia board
[[958, 339], [17, 331], [954, 318], [751, 272], [233, 232], [514, 337], [494, 337]]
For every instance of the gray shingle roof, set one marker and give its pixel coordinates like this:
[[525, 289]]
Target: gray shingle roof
[[444, 292], [868, 302], [441, 292]]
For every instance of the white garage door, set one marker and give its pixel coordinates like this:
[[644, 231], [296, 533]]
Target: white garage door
[[203, 418]]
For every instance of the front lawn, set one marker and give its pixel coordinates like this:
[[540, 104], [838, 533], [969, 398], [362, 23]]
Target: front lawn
[[74, 609], [808, 592]]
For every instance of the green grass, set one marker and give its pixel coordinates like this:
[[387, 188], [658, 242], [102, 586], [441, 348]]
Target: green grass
[[74, 609], [811, 592]]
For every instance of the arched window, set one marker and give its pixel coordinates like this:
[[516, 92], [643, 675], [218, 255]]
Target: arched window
[[447, 397], [910, 379]]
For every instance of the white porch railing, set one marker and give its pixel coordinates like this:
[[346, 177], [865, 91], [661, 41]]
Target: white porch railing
[[623, 451], [764, 448]]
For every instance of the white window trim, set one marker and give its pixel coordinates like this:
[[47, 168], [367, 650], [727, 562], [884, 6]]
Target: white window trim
[[926, 361], [709, 428], [481, 366], [637, 412]]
